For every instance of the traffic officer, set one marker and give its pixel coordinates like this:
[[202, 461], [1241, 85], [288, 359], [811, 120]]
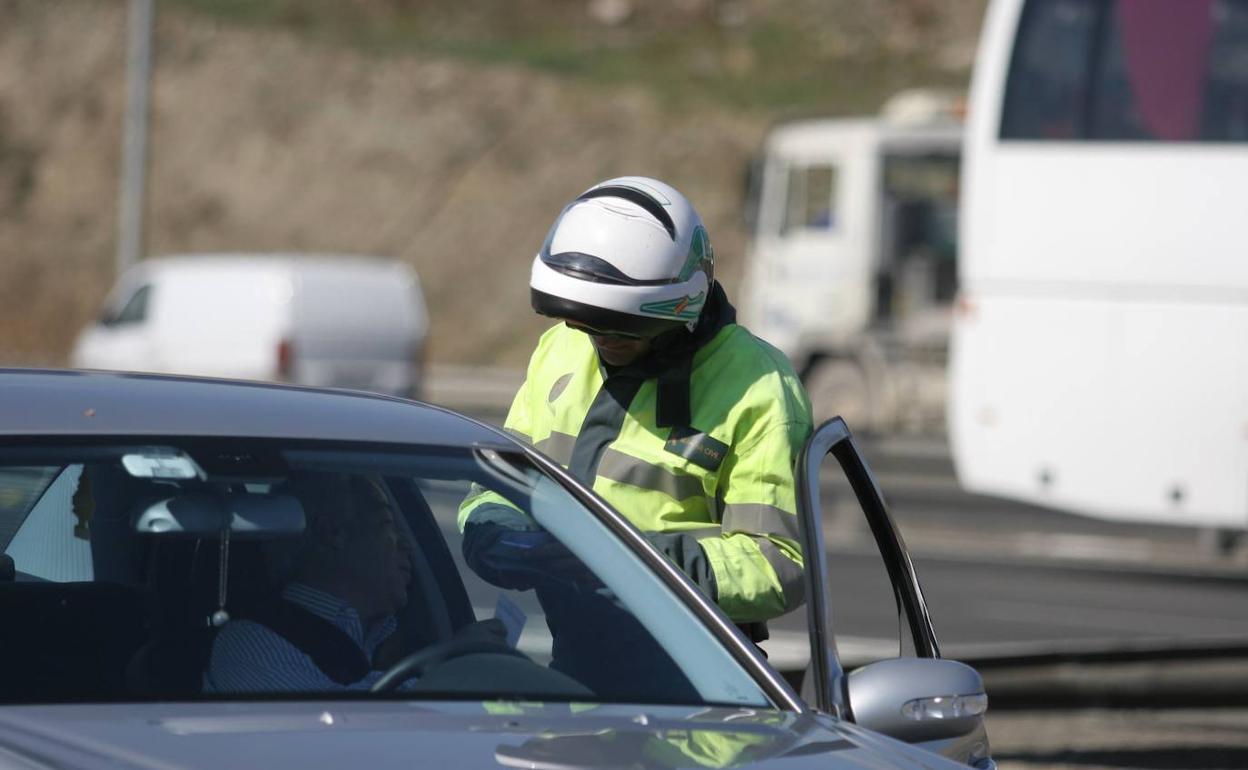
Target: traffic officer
[[650, 392]]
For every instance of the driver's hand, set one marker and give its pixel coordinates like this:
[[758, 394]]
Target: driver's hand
[[489, 630]]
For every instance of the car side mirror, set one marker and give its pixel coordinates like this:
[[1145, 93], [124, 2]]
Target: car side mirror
[[921, 700]]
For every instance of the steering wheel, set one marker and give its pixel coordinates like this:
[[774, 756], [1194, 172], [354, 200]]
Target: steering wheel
[[417, 663]]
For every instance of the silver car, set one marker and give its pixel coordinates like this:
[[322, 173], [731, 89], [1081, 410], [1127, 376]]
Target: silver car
[[200, 573]]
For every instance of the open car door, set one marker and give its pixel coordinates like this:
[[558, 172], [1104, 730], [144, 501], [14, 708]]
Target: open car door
[[917, 697]]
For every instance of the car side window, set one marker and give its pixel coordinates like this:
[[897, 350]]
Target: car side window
[[50, 543], [487, 601], [865, 596], [867, 623], [20, 489]]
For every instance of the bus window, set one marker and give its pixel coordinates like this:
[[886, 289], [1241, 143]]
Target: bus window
[[1226, 89], [1112, 70], [810, 202], [1048, 75]]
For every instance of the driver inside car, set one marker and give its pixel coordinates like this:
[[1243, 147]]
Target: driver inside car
[[332, 625]]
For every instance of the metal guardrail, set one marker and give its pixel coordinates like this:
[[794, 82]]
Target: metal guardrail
[[478, 389]]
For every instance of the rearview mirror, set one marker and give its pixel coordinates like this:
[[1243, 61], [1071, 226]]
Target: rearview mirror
[[920, 700], [205, 514]]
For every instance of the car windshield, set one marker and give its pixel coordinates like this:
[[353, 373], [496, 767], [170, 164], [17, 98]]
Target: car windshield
[[178, 569]]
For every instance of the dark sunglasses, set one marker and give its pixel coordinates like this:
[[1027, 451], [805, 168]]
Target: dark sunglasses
[[601, 333]]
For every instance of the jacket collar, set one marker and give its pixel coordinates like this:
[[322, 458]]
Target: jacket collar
[[671, 360]]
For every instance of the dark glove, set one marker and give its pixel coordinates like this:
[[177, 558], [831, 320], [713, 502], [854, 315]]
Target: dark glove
[[519, 559], [683, 549]]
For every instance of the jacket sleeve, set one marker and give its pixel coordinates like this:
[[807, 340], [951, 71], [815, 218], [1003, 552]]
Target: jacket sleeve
[[757, 557], [483, 506]]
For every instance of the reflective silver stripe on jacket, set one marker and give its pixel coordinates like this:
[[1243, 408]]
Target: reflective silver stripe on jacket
[[617, 466], [558, 446], [757, 518], [791, 581], [522, 436]]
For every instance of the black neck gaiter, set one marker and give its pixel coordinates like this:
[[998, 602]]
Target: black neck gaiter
[[671, 360]]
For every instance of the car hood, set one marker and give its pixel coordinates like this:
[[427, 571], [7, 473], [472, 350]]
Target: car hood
[[407, 735]]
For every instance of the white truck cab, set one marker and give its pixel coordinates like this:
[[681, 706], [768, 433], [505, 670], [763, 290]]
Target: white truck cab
[[355, 322], [851, 268]]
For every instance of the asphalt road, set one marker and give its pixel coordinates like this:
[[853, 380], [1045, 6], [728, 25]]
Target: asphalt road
[[1003, 577]]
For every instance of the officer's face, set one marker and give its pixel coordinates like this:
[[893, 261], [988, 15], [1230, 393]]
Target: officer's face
[[619, 351], [614, 349]]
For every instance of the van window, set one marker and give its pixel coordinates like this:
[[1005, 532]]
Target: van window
[[810, 198], [135, 309], [1121, 71]]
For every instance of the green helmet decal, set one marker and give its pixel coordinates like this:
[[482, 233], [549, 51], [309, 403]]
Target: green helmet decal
[[701, 255], [681, 308]]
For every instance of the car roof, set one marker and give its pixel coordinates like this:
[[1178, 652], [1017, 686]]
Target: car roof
[[53, 402]]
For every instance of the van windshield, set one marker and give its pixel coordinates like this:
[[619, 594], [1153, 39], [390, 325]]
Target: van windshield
[[191, 568]]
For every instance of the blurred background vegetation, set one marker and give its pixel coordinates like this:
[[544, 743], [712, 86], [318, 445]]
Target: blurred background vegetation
[[773, 57], [444, 132]]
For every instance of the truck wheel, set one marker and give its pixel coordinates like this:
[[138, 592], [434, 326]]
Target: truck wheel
[[1220, 543], [838, 387]]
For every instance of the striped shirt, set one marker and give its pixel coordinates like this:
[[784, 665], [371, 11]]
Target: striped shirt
[[249, 657]]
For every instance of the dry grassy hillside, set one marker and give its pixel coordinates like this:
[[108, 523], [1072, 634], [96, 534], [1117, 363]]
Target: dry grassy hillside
[[266, 139]]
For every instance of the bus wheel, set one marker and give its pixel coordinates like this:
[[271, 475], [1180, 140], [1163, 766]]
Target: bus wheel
[[839, 387]]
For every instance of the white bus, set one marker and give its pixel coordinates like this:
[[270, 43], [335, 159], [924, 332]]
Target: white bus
[[1099, 359]]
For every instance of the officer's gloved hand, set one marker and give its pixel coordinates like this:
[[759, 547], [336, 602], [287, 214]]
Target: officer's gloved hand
[[683, 549], [520, 559]]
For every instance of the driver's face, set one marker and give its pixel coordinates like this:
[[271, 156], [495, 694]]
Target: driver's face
[[380, 554]]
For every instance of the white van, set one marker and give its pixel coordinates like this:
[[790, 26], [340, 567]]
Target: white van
[[352, 322]]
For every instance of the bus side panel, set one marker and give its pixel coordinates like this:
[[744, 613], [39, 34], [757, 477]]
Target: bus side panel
[[1113, 218], [1133, 411], [980, 139]]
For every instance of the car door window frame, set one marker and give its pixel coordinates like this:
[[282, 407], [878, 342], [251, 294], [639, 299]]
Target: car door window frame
[[834, 438]]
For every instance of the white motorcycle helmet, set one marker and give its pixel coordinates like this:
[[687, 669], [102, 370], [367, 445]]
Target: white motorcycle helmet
[[629, 256]]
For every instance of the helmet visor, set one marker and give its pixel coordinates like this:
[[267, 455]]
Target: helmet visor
[[601, 332], [598, 320]]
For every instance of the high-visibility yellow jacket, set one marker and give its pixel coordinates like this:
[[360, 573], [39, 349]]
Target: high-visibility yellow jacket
[[727, 478]]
